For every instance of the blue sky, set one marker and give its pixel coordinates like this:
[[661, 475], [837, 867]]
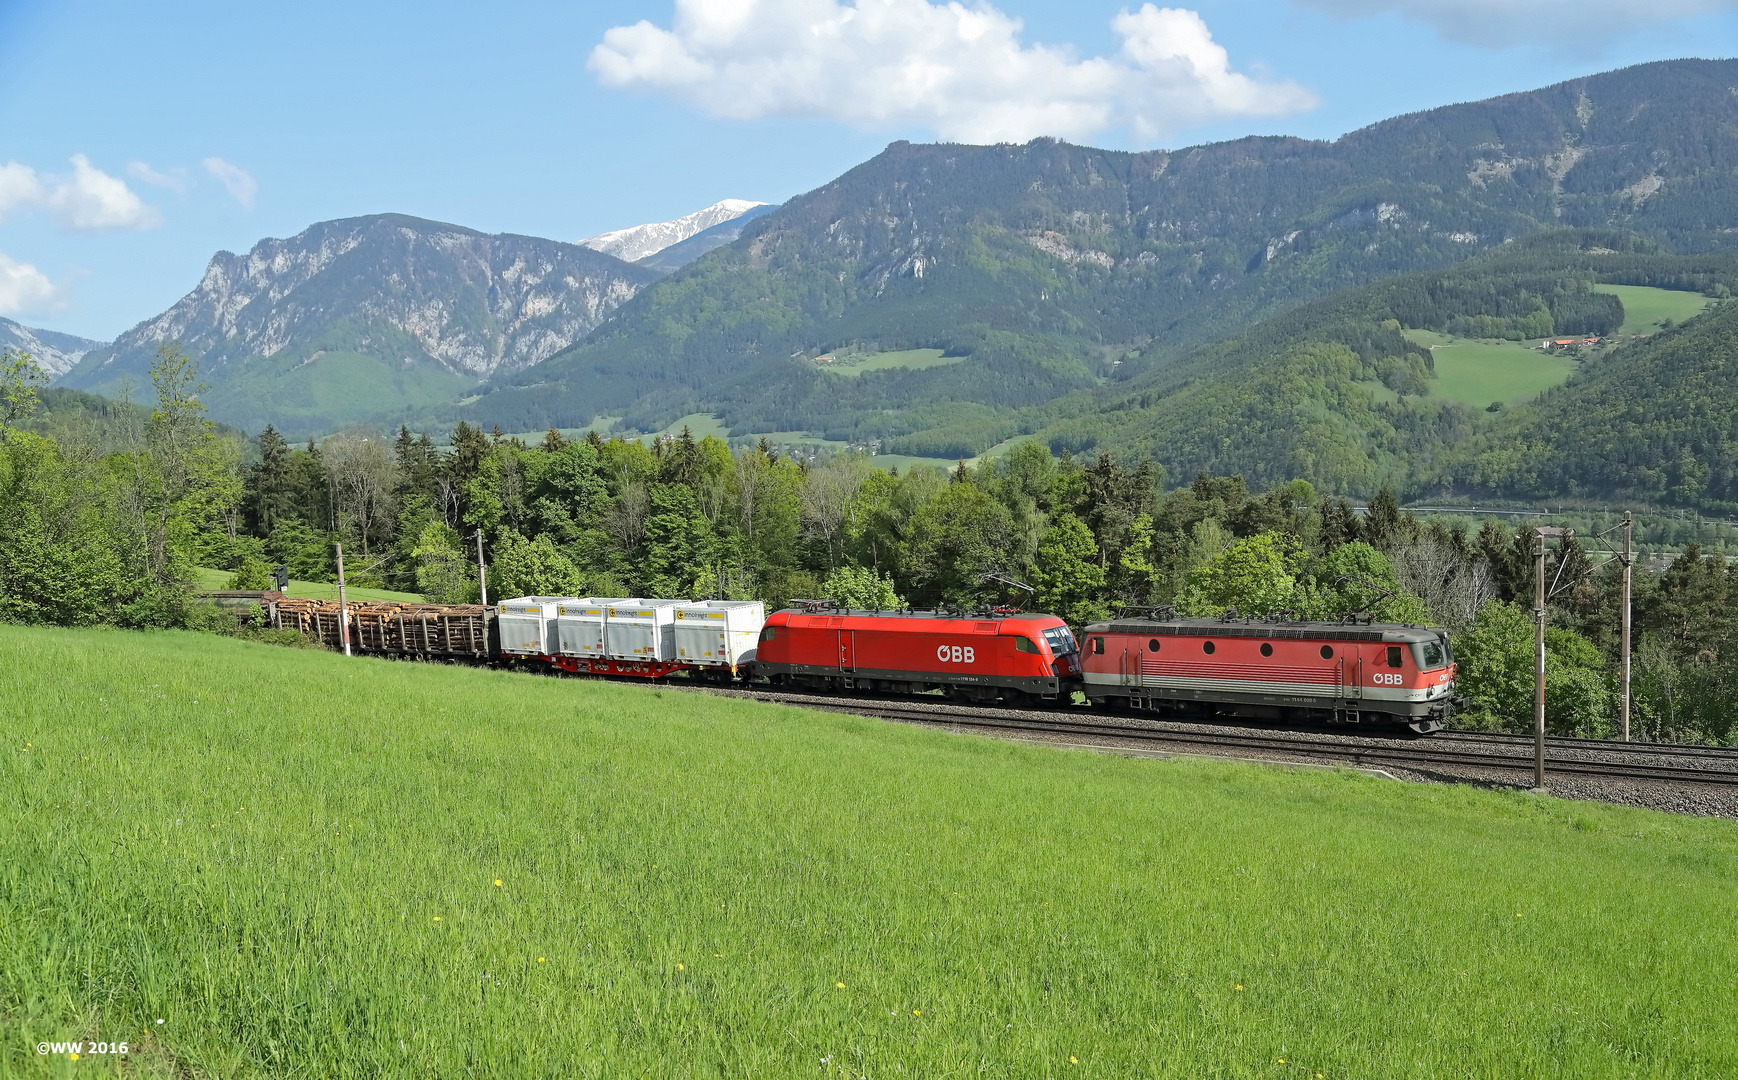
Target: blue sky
[[209, 126]]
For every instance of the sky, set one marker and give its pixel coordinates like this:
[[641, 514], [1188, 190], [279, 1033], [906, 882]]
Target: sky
[[137, 140]]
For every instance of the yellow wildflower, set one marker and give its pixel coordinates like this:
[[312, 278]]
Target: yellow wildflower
[[841, 985], [497, 883]]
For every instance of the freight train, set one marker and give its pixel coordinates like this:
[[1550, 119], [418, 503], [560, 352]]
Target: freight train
[[1275, 669]]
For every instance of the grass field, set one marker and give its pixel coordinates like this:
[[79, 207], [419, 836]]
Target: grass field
[[1644, 307], [909, 359], [1479, 372], [307, 866], [210, 580]]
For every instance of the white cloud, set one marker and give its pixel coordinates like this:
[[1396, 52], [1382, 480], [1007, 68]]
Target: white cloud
[[19, 186], [91, 200], [961, 71], [1502, 23], [175, 179], [24, 288], [239, 183]]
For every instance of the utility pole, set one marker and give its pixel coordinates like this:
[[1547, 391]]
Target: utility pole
[[1539, 661], [1628, 576], [343, 607], [482, 582]]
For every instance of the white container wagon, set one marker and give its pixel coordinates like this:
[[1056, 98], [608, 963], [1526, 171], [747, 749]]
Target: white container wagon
[[528, 625], [581, 623], [643, 630], [719, 633]]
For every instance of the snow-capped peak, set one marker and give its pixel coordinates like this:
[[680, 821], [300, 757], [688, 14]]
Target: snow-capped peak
[[636, 243]]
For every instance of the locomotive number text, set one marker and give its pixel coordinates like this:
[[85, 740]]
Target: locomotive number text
[[955, 654]]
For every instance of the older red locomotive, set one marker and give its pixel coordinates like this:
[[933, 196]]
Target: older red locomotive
[[1274, 670], [1018, 658]]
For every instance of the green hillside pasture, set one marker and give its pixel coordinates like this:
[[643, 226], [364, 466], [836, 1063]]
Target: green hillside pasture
[[1644, 307], [211, 580], [1480, 372], [910, 359], [332, 390], [311, 866]]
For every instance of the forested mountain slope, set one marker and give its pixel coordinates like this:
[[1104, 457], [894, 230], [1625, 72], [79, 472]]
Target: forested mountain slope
[[1334, 392], [1044, 264], [1656, 422], [366, 319]]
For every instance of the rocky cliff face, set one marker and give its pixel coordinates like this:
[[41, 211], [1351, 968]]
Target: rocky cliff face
[[403, 292], [53, 352]]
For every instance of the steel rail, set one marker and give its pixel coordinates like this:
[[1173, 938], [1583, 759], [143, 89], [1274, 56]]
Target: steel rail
[[1333, 748], [1602, 745]]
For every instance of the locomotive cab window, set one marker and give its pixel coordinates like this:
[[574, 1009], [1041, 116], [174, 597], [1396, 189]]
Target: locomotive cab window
[[1098, 646], [1430, 654], [1394, 656], [767, 633], [1024, 644], [1061, 641]]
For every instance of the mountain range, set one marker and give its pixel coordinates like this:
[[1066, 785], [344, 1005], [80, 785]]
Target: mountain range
[[54, 352], [365, 319], [939, 299], [1047, 268]]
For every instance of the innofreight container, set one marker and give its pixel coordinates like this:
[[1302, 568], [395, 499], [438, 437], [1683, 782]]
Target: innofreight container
[[527, 625], [719, 633], [580, 623], [641, 629]]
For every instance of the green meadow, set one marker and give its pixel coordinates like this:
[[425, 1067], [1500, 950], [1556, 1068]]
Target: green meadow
[[909, 359], [251, 861], [1479, 372], [1644, 308], [210, 580]]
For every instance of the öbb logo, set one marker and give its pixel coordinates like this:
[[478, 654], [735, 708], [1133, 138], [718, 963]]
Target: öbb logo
[[955, 654], [1385, 679]]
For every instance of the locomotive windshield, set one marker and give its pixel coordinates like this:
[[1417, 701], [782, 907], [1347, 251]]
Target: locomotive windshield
[[1060, 640], [1431, 654]]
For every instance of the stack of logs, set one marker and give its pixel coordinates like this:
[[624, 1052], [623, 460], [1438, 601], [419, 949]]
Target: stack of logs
[[403, 629]]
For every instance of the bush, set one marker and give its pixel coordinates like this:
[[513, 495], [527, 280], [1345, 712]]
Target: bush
[[861, 587], [1496, 675], [253, 573]]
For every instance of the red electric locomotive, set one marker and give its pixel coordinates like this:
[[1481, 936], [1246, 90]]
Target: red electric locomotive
[[1017, 657], [1274, 670]]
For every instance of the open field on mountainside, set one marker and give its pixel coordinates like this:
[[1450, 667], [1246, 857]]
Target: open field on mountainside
[[909, 359], [1479, 372], [1644, 307], [249, 861], [210, 580]]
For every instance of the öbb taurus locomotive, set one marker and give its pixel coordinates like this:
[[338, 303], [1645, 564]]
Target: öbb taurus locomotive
[[1015, 657], [1273, 670]]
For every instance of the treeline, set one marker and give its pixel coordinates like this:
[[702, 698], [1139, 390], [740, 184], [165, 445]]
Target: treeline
[[93, 535]]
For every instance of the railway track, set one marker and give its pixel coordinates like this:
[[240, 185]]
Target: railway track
[[1347, 750]]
